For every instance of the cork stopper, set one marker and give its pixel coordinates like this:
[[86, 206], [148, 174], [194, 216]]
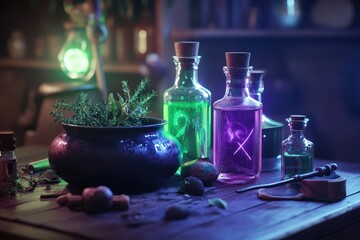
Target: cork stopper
[[297, 122], [297, 117], [237, 59], [7, 141], [186, 49]]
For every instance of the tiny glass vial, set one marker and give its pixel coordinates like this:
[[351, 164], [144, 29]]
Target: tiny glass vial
[[297, 152], [237, 125], [187, 105], [7, 156]]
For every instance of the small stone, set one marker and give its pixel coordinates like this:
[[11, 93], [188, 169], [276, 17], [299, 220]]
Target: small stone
[[97, 199], [176, 212], [192, 185], [202, 169]]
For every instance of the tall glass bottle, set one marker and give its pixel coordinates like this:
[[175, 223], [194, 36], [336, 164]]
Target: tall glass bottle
[[297, 152], [272, 131], [186, 104], [237, 125]]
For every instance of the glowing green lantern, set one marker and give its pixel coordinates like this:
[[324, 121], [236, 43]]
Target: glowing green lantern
[[76, 56]]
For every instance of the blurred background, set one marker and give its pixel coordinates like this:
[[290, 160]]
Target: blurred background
[[310, 50]]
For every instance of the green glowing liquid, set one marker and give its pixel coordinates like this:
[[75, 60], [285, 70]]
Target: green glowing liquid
[[296, 164], [76, 61], [189, 122]]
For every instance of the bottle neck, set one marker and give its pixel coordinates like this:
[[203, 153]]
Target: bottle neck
[[255, 89], [186, 71], [299, 134], [237, 82], [297, 126]]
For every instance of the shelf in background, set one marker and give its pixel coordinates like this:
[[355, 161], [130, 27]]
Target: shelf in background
[[284, 33], [130, 68]]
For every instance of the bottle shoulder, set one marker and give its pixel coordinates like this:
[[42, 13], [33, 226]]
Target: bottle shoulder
[[308, 142], [187, 94], [291, 140], [237, 103]]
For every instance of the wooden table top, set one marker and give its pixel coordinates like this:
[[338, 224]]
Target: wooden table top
[[26, 216]]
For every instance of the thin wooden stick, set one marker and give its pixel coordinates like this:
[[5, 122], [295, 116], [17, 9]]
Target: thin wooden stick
[[326, 170]]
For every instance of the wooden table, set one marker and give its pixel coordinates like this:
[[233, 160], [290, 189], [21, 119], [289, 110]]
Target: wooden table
[[247, 217]]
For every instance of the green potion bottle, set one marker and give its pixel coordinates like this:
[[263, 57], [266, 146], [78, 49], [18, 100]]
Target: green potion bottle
[[186, 104]]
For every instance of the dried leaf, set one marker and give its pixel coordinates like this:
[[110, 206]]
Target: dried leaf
[[218, 202]]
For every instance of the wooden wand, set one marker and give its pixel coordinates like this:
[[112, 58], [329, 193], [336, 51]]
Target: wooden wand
[[326, 170]]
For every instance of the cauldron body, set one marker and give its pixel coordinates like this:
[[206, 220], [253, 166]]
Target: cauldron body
[[129, 159]]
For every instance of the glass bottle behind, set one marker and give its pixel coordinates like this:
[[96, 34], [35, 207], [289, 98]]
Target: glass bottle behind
[[237, 125], [297, 152], [17, 45], [7, 156], [187, 104], [272, 131]]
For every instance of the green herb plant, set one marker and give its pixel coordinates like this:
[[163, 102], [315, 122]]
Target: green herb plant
[[126, 109], [10, 187]]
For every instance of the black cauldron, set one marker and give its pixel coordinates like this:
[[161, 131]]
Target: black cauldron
[[127, 159]]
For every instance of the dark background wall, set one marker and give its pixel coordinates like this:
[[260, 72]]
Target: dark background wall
[[311, 69]]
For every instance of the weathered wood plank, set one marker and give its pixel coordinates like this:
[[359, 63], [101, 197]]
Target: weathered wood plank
[[20, 231], [277, 219], [246, 216]]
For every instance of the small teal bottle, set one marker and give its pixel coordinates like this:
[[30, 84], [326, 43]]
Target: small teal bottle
[[297, 152]]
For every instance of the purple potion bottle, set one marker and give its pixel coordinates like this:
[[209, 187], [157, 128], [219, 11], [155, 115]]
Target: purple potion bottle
[[237, 125]]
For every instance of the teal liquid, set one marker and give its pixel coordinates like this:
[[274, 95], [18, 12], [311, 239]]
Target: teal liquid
[[189, 123], [296, 164]]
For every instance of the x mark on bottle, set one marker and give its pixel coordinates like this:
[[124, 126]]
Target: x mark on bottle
[[242, 144]]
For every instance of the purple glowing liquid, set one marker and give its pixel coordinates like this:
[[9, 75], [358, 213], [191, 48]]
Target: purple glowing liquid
[[237, 144]]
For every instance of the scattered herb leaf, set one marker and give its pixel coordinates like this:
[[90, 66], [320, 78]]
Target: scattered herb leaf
[[218, 202], [9, 188], [191, 185]]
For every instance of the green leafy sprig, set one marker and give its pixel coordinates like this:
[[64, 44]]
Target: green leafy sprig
[[10, 187], [126, 109]]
